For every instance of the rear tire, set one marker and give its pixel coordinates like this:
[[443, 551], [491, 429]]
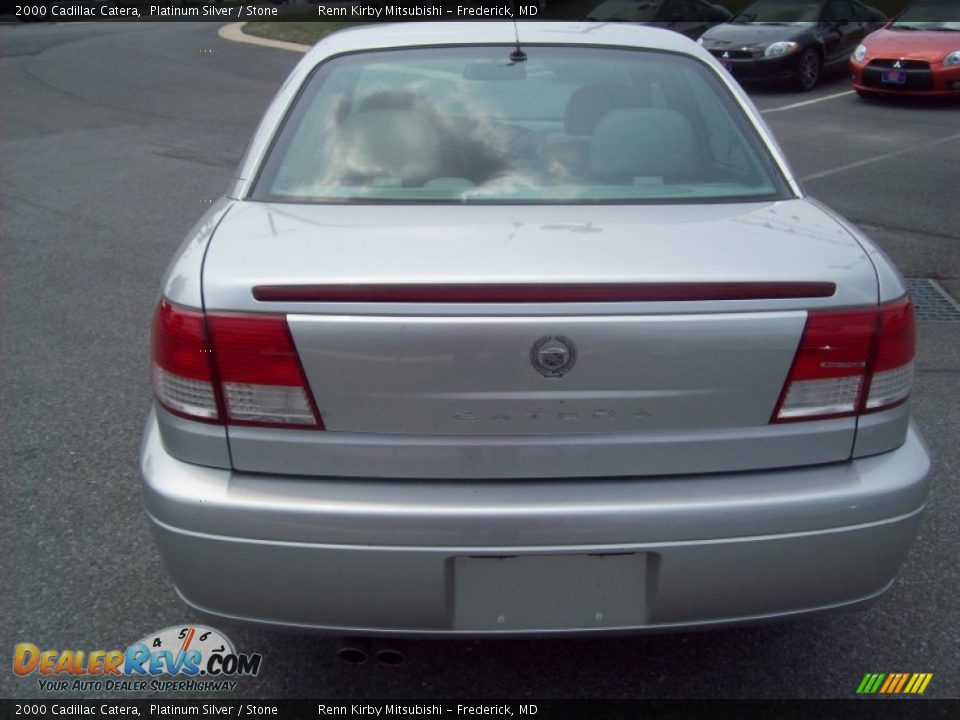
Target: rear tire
[[867, 94], [808, 70]]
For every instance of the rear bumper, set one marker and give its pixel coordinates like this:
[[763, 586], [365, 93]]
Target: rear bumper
[[532, 557]]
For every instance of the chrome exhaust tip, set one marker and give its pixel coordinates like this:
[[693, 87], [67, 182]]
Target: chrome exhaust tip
[[389, 654], [354, 651]]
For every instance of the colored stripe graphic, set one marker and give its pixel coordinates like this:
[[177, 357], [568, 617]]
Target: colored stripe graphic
[[870, 683], [894, 683], [921, 682], [903, 679], [891, 681]]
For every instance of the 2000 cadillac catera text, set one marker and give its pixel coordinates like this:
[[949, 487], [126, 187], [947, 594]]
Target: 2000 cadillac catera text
[[499, 334]]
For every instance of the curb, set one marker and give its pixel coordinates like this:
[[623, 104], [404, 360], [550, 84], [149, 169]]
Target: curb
[[234, 32]]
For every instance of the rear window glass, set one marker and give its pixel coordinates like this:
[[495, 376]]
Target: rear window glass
[[468, 124]]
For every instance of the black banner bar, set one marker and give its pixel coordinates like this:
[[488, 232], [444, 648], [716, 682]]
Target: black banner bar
[[861, 709], [321, 11]]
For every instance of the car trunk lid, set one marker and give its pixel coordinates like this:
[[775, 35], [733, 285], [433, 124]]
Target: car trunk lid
[[499, 338]]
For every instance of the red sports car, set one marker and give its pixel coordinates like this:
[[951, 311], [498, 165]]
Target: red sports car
[[916, 54]]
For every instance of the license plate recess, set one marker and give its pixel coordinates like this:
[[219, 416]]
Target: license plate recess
[[544, 592]]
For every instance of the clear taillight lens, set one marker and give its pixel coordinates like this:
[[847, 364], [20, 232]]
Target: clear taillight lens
[[850, 362]]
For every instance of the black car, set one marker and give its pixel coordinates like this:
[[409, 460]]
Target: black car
[[689, 17], [791, 40]]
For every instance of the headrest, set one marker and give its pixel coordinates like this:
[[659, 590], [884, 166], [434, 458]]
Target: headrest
[[391, 144], [589, 103], [643, 142]]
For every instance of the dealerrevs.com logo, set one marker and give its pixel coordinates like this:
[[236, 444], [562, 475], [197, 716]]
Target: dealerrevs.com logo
[[199, 658]]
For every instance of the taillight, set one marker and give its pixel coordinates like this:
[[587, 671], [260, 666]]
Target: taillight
[[892, 372], [182, 374], [849, 362], [246, 371], [259, 371]]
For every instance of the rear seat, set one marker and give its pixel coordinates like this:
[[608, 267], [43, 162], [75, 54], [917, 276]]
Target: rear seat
[[636, 144], [586, 106]]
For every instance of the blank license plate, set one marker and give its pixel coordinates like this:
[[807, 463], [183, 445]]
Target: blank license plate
[[543, 592], [896, 77]]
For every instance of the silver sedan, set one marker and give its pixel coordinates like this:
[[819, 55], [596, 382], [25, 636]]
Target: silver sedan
[[530, 333]]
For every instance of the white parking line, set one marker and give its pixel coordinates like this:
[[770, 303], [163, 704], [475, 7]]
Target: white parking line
[[807, 102], [878, 158]]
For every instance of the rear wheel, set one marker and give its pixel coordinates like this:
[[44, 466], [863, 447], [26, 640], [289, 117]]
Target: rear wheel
[[867, 94], [808, 70]]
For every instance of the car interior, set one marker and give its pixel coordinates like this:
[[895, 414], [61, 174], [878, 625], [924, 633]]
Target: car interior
[[642, 134]]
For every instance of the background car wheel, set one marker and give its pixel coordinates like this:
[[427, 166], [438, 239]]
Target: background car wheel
[[808, 69]]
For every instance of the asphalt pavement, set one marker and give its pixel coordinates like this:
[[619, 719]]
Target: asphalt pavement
[[113, 138]]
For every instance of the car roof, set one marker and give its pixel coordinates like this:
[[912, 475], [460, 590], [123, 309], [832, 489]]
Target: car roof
[[411, 34]]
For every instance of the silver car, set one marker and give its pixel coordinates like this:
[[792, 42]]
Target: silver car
[[504, 334]]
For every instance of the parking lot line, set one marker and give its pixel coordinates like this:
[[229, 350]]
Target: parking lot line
[[878, 158], [806, 102]]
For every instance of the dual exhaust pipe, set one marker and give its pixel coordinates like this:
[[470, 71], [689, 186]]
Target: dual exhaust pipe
[[356, 651]]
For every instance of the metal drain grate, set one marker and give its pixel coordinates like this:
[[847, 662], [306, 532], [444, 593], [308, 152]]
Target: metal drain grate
[[931, 302]]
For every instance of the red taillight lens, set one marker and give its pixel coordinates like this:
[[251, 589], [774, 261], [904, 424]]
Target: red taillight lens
[[247, 373], [182, 375], [260, 373], [850, 362], [892, 372]]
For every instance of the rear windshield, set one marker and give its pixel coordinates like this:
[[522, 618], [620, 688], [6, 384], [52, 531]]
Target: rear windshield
[[470, 125]]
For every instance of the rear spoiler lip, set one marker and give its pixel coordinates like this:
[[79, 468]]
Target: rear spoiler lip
[[542, 292]]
